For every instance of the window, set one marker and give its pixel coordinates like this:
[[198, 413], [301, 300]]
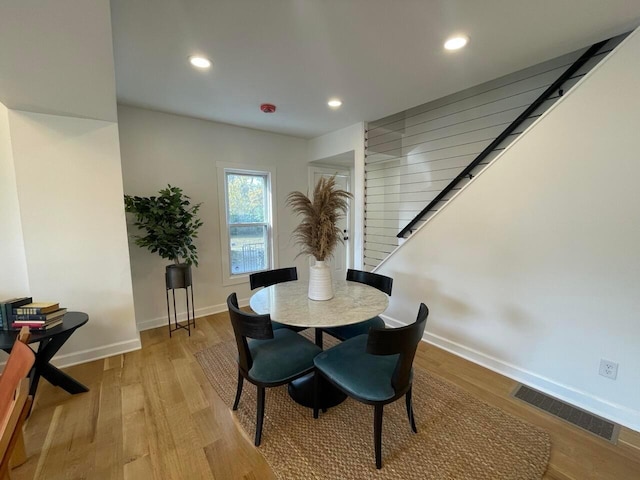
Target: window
[[247, 232]]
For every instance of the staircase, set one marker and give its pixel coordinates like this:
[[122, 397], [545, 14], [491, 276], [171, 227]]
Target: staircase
[[417, 160]]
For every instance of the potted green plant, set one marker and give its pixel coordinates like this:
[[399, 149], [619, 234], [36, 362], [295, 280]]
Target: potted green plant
[[170, 224], [318, 233]]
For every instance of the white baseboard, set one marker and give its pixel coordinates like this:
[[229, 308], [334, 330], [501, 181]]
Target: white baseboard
[[182, 316], [616, 413], [97, 353]]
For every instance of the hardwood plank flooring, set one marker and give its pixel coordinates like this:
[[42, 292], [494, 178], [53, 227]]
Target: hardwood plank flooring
[[152, 414]]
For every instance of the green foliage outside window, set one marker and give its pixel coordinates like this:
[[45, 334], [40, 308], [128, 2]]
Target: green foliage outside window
[[247, 198]]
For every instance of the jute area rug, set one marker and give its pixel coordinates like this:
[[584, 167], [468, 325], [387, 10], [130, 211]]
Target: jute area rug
[[459, 437]]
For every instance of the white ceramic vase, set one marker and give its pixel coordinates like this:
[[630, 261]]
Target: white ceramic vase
[[320, 284]]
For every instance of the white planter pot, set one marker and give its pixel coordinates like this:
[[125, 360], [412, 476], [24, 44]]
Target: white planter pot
[[320, 284]]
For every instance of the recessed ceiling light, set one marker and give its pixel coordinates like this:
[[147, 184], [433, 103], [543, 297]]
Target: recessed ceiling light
[[200, 62], [456, 43], [334, 103]]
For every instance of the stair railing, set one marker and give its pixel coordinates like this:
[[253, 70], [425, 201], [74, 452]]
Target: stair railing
[[584, 58]]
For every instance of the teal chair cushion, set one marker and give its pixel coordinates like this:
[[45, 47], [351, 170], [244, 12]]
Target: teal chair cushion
[[356, 372], [360, 328], [281, 357]]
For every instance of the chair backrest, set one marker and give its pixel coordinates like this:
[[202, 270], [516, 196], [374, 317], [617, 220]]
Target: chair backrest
[[381, 282], [403, 341], [247, 325], [271, 277], [14, 391]]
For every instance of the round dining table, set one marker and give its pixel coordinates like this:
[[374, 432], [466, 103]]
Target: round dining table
[[288, 303]]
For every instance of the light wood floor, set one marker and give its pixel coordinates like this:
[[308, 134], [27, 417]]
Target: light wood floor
[[151, 414]]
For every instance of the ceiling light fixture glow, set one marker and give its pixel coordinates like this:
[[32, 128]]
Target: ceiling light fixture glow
[[456, 43], [334, 103], [200, 62]]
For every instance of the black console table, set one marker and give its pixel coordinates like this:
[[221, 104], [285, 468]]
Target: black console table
[[50, 341]]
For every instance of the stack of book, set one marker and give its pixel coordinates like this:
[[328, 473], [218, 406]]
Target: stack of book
[[6, 309], [37, 316]]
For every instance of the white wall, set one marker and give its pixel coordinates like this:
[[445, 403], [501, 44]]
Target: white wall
[[64, 231], [69, 184], [159, 148], [348, 139], [14, 281], [534, 269]]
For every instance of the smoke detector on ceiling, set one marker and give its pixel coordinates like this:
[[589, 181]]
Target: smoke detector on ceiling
[[268, 108]]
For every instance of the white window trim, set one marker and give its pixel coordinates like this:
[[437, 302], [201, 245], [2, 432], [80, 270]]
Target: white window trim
[[223, 167]]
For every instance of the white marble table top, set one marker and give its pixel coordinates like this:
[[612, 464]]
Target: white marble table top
[[288, 303]]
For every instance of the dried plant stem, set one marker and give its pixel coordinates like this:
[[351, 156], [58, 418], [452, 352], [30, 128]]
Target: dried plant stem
[[318, 233]]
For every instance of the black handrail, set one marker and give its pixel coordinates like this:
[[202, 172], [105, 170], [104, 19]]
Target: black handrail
[[584, 58]]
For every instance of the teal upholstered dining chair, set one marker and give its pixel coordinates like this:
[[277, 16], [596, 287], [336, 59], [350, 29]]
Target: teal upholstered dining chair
[[271, 277], [267, 358], [375, 369], [382, 283]]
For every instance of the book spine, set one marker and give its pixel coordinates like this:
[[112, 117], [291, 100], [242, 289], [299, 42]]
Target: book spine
[[34, 310], [5, 317], [19, 303], [31, 327], [26, 311], [41, 317], [26, 317], [7, 310], [36, 325]]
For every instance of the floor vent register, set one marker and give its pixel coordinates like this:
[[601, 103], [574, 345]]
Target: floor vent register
[[576, 416]]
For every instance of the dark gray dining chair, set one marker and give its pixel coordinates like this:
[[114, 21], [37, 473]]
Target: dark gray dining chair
[[272, 277], [375, 369], [267, 357], [382, 283]]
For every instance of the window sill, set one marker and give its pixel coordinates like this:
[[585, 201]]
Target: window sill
[[235, 279]]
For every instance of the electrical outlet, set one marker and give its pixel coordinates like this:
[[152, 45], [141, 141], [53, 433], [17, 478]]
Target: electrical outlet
[[608, 369]]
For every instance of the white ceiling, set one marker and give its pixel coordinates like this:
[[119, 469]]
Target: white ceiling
[[378, 56], [56, 57]]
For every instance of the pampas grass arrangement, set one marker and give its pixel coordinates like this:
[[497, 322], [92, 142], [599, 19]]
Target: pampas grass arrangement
[[318, 233]]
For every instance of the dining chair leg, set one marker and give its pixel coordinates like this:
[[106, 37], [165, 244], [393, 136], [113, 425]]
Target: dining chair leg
[[412, 419], [316, 381], [377, 434], [259, 415], [238, 391], [319, 337]]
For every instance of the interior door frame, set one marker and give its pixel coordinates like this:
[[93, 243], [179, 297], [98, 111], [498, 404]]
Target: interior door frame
[[327, 169]]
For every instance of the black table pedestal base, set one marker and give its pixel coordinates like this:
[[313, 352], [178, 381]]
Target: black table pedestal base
[[58, 378], [301, 390], [42, 368]]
